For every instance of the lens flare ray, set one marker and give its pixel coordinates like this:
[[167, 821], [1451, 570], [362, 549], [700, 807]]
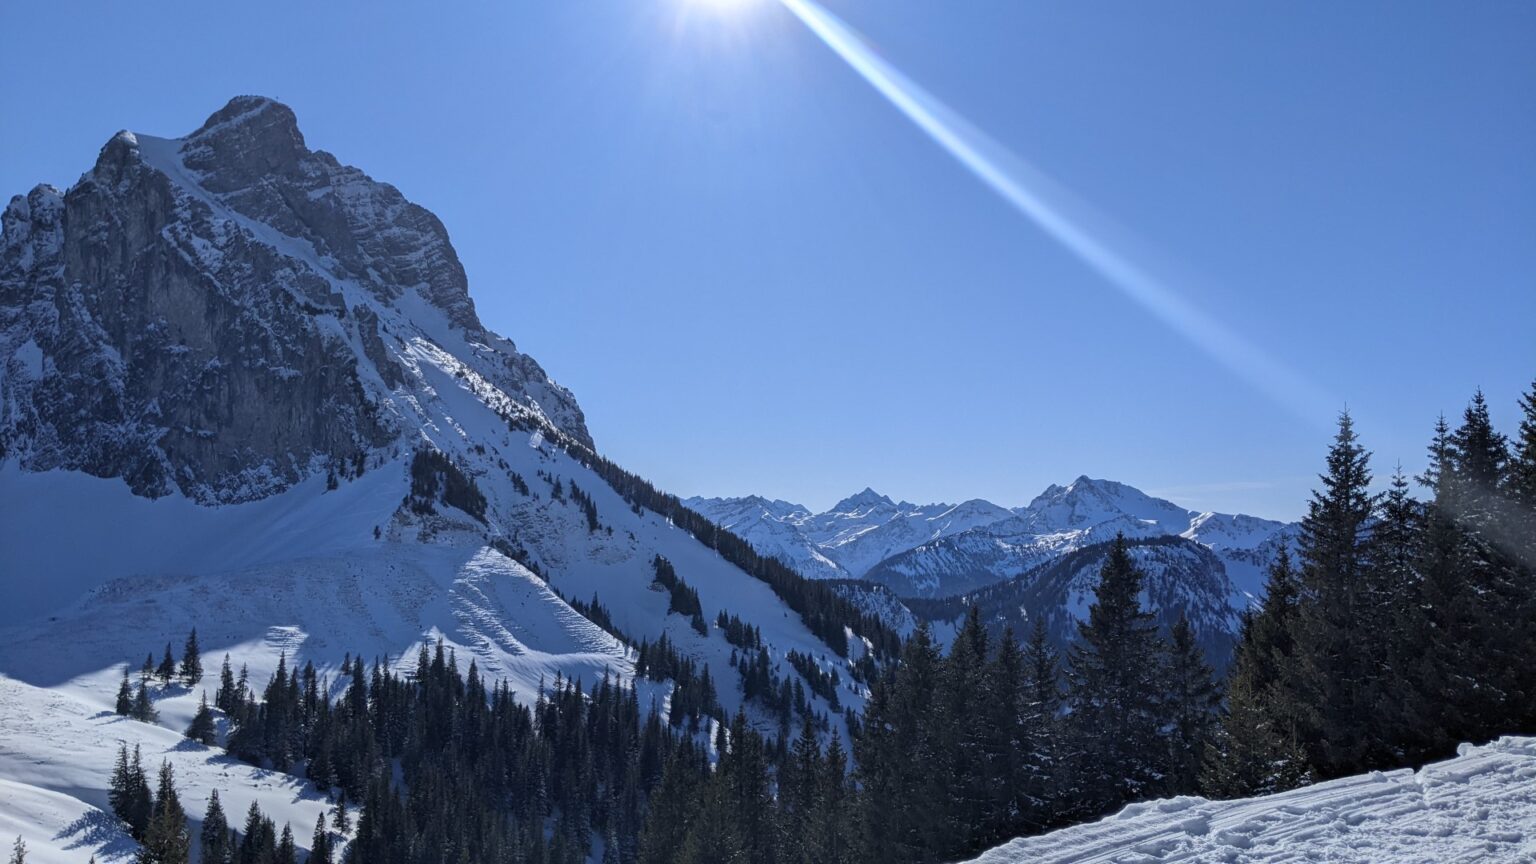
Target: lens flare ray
[[1069, 221]]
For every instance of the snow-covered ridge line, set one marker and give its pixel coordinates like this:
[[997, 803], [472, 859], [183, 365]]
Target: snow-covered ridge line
[[938, 550], [1478, 806]]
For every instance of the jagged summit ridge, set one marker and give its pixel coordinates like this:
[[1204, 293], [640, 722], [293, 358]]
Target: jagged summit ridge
[[226, 313]]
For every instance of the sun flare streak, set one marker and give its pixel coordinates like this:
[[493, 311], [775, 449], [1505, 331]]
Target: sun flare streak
[[1069, 221]]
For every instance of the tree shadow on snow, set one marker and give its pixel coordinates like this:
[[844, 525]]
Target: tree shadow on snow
[[102, 832]]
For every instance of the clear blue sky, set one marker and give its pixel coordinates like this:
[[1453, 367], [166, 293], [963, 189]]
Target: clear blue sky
[[758, 276]]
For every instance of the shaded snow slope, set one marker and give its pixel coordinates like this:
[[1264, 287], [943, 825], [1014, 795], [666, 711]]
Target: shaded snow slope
[[1479, 806]]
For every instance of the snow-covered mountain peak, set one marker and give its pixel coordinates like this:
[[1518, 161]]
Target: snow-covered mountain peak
[[1088, 502], [861, 503], [227, 313]]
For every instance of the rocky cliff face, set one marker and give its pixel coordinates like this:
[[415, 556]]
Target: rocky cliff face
[[226, 313]]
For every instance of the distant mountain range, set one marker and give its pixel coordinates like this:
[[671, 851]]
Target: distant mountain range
[[1041, 559], [939, 550]]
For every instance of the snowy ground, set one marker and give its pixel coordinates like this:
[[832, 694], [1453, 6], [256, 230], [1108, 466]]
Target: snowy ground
[[1479, 806], [56, 756]]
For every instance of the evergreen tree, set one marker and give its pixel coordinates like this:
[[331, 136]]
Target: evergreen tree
[[224, 697], [1249, 753], [674, 808], [143, 710], [967, 743], [214, 842], [202, 728], [340, 819], [799, 782], [1113, 676], [1522, 469], [1397, 579], [1443, 630], [148, 669], [1005, 744], [1337, 680], [287, 853], [1039, 762], [258, 842], [19, 851], [1192, 703], [124, 705], [829, 838], [191, 661], [167, 668], [1255, 749], [132, 799], [1486, 617], [900, 759], [1480, 455], [320, 844], [166, 841]]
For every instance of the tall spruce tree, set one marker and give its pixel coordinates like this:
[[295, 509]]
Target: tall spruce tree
[[1005, 744], [900, 760], [167, 668], [966, 743], [1397, 577], [213, 841], [799, 783], [1192, 701], [124, 705], [320, 843], [1040, 767], [829, 835], [287, 852], [191, 669], [1113, 677], [1337, 680], [1501, 592], [1255, 749], [167, 840], [225, 698]]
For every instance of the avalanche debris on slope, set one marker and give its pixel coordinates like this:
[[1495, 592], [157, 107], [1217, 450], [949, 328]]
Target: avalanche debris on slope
[[1479, 806]]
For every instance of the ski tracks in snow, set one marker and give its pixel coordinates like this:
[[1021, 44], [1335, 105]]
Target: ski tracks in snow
[[1479, 806]]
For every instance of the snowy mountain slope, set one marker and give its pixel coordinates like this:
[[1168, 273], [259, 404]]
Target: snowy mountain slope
[[56, 757], [224, 357], [1479, 806], [848, 539], [773, 528], [1064, 518], [1183, 578], [296, 288]]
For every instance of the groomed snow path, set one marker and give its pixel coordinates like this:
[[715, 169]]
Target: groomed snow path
[[1479, 806]]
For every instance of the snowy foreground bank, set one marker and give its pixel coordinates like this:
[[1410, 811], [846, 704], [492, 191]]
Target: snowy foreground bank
[[1479, 806]]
